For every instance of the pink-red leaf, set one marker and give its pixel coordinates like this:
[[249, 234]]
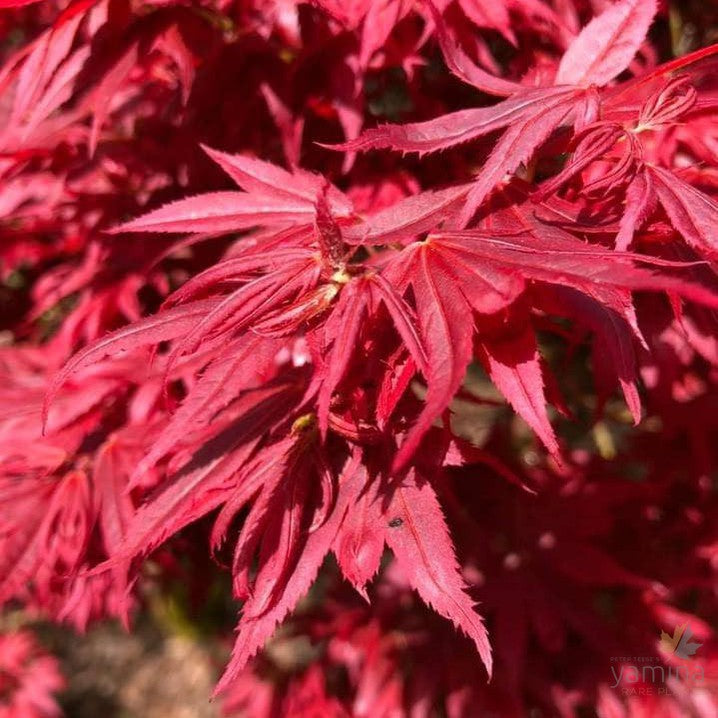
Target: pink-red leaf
[[693, 214], [464, 68], [258, 623], [456, 127], [640, 203], [153, 330], [445, 321], [408, 218], [606, 46], [514, 365], [221, 212], [417, 535], [203, 482]]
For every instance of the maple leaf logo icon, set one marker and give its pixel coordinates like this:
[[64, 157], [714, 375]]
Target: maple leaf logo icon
[[680, 642]]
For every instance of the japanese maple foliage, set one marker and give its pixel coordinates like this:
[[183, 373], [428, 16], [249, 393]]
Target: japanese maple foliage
[[29, 678], [416, 405]]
